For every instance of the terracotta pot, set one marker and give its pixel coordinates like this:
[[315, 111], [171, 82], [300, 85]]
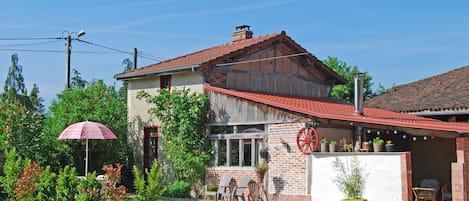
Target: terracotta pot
[[366, 146]]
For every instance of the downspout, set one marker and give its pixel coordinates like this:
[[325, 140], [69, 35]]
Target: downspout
[[358, 97]]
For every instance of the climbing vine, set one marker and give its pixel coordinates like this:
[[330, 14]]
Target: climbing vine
[[183, 116]]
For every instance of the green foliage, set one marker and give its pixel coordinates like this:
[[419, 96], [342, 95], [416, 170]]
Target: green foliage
[[178, 189], [94, 102], [12, 167], [46, 186], [350, 178], [89, 188], [182, 116], [14, 88], [345, 92], [333, 142], [153, 188], [378, 140], [67, 183]]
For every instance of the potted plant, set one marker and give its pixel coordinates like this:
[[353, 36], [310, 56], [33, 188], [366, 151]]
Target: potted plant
[[389, 146], [351, 179], [378, 144], [332, 146], [323, 142]]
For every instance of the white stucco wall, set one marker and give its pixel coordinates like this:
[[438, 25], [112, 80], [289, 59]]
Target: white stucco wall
[[383, 181], [138, 115]]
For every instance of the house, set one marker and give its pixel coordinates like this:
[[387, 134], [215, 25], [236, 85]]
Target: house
[[444, 97], [264, 92]]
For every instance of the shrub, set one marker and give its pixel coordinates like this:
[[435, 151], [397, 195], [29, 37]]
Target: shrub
[[46, 185], [113, 178], [11, 169], [152, 189], [67, 183], [89, 188], [178, 189], [25, 188]]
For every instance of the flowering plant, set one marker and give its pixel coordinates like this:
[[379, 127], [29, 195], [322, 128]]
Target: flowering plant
[[323, 139]]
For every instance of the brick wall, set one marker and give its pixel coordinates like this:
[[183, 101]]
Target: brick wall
[[460, 171], [288, 173]]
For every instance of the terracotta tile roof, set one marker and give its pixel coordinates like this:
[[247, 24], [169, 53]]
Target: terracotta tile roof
[[445, 91], [341, 111], [196, 59], [199, 57]]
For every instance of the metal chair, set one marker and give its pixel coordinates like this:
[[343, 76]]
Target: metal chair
[[238, 191]]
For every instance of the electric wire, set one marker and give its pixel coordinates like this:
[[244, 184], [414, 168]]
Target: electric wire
[[264, 59], [105, 47], [34, 38], [29, 44]]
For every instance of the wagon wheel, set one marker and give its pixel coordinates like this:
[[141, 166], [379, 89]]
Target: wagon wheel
[[307, 140]]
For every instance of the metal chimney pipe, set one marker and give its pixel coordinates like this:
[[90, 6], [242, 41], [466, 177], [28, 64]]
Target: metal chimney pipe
[[358, 98]]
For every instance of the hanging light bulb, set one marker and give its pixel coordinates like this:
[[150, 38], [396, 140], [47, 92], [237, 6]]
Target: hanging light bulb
[[414, 138], [404, 136], [433, 136], [377, 133], [395, 132], [425, 138], [368, 131], [387, 132]]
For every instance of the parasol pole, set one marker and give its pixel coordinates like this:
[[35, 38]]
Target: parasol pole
[[86, 158]]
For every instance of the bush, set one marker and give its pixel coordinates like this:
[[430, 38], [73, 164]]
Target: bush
[[152, 189], [46, 185], [89, 188], [178, 189], [351, 177], [67, 183]]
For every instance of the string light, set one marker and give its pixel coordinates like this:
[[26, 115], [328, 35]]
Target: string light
[[425, 137], [414, 138]]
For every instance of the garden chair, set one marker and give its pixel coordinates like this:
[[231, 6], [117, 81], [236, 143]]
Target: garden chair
[[427, 189], [238, 191], [224, 191]]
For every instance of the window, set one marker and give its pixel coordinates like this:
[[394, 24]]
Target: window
[[237, 145], [165, 81]]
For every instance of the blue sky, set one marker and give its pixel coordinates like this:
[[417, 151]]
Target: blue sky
[[396, 42]]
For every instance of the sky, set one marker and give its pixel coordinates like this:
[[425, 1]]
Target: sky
[[396, 42]]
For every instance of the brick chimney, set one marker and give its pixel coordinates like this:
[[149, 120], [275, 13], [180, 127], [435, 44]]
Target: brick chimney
[[241, 33]]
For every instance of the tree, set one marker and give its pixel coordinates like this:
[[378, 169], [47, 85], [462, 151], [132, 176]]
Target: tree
[[345, 92], [21, 116], [183, 117], [94, 102], [128, 65]]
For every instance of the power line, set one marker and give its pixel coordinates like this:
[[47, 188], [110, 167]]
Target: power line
[[264, 59], [56, 51], [34, 38], [29, 44], [105, 47]]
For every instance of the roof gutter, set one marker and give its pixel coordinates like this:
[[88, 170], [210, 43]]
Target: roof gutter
[[130, 75]]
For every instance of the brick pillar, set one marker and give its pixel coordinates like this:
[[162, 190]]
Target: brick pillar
[[460, 171]]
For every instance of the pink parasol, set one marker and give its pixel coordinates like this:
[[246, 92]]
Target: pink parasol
[[87, 130]]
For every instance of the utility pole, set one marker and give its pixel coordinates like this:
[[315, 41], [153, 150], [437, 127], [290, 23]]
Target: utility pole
[[135, 58], [68, 40], [67, 70]]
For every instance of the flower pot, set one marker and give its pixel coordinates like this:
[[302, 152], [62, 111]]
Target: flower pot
[[354, 199], [366, 146], [332, 147], [323, 147], [389, 147], [377, 147]]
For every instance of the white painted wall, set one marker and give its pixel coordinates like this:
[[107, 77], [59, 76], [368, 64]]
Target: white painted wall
[[383, 181]]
